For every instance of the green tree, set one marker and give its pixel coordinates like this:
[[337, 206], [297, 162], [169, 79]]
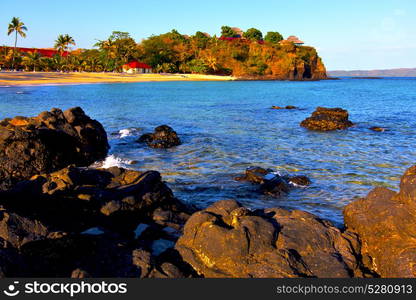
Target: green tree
[[201, 39], [175, 35], [253, 34], [227, 31], [18, 27], [159, 50], [125, 48], [63, 42], [119, 35], [32, 60], [109, 48], [196, 66], [273, 37]]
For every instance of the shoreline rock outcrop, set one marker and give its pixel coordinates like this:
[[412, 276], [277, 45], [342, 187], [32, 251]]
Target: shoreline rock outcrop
[[47, 143], [227, 240], [60, 220], [92, 222], [163, 137], [75, 199], [385, 223], [327, 119]]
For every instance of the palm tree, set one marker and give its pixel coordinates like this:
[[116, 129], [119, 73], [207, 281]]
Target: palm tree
[[17, 27], [32, 60], [109, 48], [62, 43]]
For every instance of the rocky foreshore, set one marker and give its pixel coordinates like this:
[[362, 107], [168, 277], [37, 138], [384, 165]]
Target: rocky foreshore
[[61, 218]]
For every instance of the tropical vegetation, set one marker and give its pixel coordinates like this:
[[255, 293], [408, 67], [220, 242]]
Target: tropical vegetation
[[172, 52]]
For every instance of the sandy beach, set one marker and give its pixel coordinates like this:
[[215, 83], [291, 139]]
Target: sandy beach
[[54, 78]]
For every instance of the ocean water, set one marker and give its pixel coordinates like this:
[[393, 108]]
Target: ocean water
[[228, 126]]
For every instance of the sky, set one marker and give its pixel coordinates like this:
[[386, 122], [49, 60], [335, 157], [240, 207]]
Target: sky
[[349, 35]]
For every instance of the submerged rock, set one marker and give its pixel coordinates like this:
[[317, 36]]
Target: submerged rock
[[286, 107], [327, 119], [228, 240], [378, 129], [163, 137], [300, 180], [385, 223], [47, 143], [271, 183]]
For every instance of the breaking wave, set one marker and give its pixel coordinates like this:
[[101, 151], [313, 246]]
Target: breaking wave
[[113, 161]]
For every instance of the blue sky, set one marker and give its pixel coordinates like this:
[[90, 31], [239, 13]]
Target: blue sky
[[365, 34]]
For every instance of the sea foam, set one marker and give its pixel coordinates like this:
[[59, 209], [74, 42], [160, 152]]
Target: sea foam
[[128, 132], [112, 161]]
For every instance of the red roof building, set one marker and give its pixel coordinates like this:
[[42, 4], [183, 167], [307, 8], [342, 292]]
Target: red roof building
[[46, 52], [135, 67], [224, 38]]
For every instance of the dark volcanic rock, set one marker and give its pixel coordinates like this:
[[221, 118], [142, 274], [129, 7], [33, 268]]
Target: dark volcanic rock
[[385, 223], [82, 222], [271, 183], [300, 180], [18, 230], [286, 107], [326, 119], [163, 137], [80, 256], [48, 142], [11, 263], [74, 199], [378, 129], [254, 175], [227, 240]]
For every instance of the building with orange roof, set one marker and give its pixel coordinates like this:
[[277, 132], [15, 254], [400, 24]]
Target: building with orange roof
[[293, 39]]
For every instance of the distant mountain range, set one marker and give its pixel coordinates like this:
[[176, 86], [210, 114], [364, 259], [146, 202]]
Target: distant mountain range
[[403, 72]]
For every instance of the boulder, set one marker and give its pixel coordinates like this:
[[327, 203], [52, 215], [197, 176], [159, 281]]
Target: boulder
[[300, 180], [290, 107], [163, 137], [271, 183], [286, 107], [327, 119], [47, 143], [11, 263], [18, 230], [74, 198], [228, 240], [385, 223], [378, 129], [82, 256]]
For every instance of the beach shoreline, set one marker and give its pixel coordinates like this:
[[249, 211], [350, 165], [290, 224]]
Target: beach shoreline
[[9, 79]]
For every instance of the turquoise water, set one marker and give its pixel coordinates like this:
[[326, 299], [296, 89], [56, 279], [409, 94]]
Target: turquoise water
[[228, 126]]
